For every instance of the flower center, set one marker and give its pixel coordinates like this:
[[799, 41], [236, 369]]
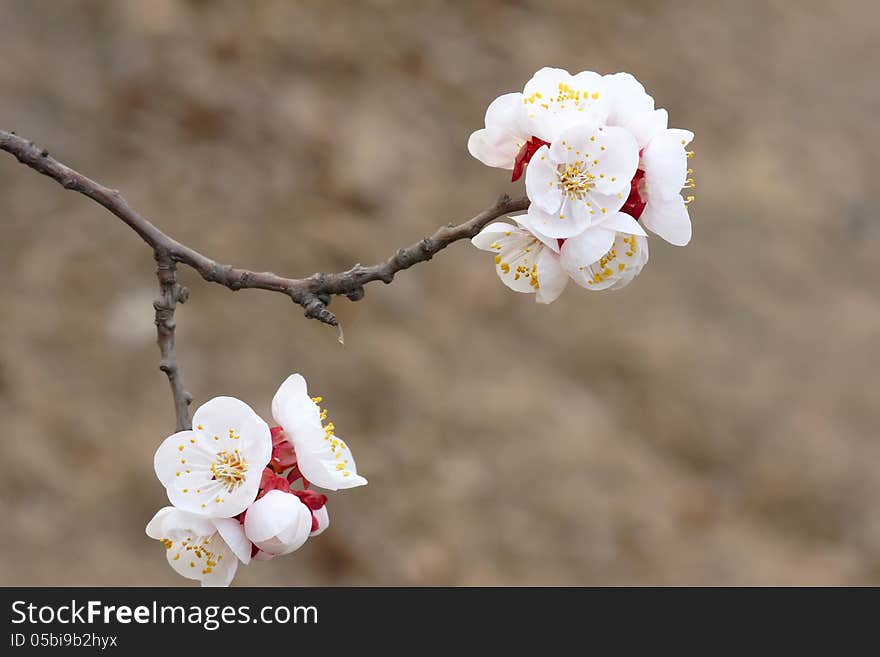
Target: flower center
[[229, 469], [574, 180]]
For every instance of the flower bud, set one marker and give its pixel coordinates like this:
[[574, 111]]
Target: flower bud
[[278, 523]]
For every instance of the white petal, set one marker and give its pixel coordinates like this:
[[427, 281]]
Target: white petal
[[623, 223], [583, 250], [545, 81], [323, 518], [505, 113], [169, 520], [166, 461], [626, 99], [278, 522], [665, 164], [633, 263], [491, 234], [327, 462], [604, 205], [223, 573], [613, 158], [669, 219], [494, 148], [542, 181], [550, 242], [232, 532], [499, 142], [646, 125], [552, 278], [292, 404], [572, 219], [685, 136]]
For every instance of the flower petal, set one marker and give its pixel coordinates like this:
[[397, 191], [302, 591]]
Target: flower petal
[[551, 277], [486, 238], [665, 163], [645, 126], [626, 99], [571, 220], [292, 407], [550, 242], [323, 518], [583, 250], [499, 142], [623, 223], [613, 158], [633, 263], [327, 462], [542, 181], [669, 219], [232, 532]]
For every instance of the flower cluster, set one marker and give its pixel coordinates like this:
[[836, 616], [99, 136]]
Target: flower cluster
[[232, 482], [601, 166]]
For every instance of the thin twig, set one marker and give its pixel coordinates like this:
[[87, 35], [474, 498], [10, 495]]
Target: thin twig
[[170, 294]]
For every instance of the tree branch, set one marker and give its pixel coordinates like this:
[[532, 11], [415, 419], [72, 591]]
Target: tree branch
[[313, 293]]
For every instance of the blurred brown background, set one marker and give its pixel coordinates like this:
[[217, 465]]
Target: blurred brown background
[[715, 423]]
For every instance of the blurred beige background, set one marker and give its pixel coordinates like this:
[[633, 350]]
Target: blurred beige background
[[714, 423]]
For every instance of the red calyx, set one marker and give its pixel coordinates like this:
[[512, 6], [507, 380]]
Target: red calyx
[[283, 454], [314, 523], [525, 154], [310, 498], [634, 205], [271, 481]]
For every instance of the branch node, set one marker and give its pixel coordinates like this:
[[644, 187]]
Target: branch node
[[315, 309], [356, 294]]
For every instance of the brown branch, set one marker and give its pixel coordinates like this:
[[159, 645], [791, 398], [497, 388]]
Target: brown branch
[[170, 294], [313, 293]]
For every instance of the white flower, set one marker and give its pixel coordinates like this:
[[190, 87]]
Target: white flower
[[582, 176], [608, 255], [498, 143], [323, 458], [524, 263], [323, 520], [214, 470], [204, 549], [556, 100], [664, 161], [278, 523]]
